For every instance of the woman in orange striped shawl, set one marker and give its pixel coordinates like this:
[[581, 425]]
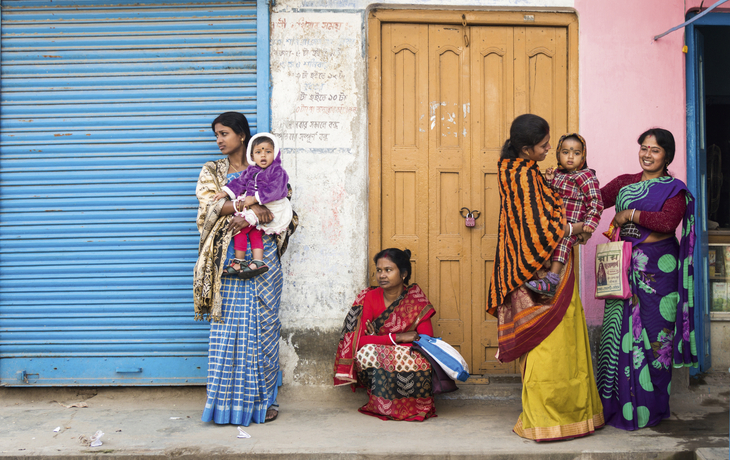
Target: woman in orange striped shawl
[[547, 334]]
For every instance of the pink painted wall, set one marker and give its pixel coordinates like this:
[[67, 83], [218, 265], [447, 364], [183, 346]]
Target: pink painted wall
[[695, 5], [628, 83]]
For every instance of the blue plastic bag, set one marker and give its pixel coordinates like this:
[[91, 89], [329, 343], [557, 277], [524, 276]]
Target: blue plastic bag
[[446, 356]]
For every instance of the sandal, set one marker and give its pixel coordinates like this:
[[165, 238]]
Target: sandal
[[231, 270], [271, 415], [247, 272], [543, 287]]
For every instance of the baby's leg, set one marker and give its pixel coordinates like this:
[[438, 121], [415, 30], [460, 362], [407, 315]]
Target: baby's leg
[[257, 266], [257, 244], [240, 242], [561, 253], [556, 267], [548, 286]]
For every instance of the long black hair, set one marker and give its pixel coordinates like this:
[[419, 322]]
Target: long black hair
[[526, 131], [401, 259], [237, 122]]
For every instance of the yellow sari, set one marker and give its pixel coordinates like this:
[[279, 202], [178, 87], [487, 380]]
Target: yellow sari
[[547, 334], [559, 395]]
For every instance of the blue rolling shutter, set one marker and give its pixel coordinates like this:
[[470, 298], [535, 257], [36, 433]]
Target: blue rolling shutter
[[104, 126]]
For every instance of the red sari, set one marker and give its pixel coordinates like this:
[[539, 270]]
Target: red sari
[[397, 378]]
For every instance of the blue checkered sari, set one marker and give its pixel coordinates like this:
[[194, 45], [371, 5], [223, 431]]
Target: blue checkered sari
[[243, 355]]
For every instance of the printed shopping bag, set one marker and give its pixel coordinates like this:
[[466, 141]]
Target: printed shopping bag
[[613, 260]]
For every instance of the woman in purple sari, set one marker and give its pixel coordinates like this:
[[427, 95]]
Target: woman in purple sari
[[647, 334]]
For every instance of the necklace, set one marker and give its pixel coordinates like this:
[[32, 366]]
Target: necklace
[[235, 169], [388, 301]]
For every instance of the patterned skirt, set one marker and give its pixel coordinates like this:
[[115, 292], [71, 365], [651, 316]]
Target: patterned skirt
[[635, 356], [398, 382], [243, 355]]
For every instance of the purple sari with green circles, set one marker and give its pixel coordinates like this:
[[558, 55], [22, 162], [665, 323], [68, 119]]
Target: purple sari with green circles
[[646, 335]]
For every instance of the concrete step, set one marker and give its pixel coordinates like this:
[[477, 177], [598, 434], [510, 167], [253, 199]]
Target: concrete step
[[713, 453], [323, 423]]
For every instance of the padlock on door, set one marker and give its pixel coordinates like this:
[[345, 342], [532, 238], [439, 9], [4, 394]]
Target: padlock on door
[[470, 216]]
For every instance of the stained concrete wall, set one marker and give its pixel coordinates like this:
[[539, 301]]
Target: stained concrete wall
[[628, 83], [319, 110], [720, 344]]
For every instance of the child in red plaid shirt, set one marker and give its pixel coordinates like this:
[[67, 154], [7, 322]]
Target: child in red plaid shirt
[[578, 187]]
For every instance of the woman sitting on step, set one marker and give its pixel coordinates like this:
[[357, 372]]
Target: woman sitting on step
[[375, 344]]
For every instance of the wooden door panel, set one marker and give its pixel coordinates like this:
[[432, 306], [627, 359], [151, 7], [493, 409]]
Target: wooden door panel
[[450, 305], [492, 105], [404, 204], [514, 71], [492, 87], [546, 60], [405, 143], [405, 95], [449, 163]]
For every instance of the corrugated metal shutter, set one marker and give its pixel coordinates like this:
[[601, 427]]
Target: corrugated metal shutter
[[105, 124]]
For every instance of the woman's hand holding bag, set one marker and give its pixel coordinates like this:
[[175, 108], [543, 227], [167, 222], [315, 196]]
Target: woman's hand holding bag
[[613, 261]]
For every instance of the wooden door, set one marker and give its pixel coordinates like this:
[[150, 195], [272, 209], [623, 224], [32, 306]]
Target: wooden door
[[514, 70], [447, 96]]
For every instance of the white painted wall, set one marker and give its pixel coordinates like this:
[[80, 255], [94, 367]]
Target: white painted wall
[[319, 111]]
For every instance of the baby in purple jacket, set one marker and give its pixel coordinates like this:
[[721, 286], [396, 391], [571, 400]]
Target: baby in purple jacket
[[264, 182]]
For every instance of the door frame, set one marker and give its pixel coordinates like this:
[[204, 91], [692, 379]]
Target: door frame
[[696, 164], [378, 17]]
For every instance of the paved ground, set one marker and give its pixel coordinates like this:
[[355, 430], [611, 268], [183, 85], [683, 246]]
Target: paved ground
[[323, 423]]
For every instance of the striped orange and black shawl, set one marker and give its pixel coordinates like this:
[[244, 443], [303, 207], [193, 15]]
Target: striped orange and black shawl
[[531, 220]]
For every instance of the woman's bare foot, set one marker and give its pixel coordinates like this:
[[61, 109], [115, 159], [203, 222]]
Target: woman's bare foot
[[271, 414]]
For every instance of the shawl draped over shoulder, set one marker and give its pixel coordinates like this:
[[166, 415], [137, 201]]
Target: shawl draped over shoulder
[[405, 314], [531, 220], [215, 239]]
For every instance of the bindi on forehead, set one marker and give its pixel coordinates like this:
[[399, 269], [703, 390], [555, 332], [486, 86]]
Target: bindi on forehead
[[572, 143]]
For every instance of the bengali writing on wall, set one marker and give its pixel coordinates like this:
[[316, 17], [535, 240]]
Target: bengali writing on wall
[[313, 64]]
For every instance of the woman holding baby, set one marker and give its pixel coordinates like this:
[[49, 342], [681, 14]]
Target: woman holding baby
[[231, 290]]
